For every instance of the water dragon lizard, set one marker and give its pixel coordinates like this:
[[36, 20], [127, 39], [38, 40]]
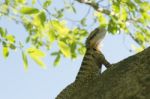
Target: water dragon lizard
[[91, 64]]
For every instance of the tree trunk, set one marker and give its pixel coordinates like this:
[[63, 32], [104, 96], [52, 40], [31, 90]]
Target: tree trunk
[[128, 79]]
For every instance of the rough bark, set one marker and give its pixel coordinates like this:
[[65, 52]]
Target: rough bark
[[127, 79]]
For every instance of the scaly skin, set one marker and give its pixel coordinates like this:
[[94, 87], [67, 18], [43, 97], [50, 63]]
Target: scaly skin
[[91, 64]]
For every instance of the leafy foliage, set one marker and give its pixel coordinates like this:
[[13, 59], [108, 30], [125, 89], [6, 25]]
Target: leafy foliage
[[28, 10], [46, 25], [36, 54]]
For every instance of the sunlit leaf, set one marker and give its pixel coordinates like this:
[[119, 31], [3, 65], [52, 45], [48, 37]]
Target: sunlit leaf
[[140, 37], [132, 7], [34, 1], [10, 38], [112, 27], [5, 51], [51, 35], [7, 2], [57, 60], [65, 49], [29, 10], [60, 28], [36, 55], [82, 50], [123, 15], [50, 31], [38, 61], [102, 19], [137, 49], [25, 60], [138, 1], [39, 19], [21, 1], [42, 17], [145, 6], [47, 3], [83, 32], [116, 7], [36, 52], [4, 8], [2, 32]]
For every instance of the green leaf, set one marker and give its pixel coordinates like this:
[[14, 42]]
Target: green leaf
[[34, 1], [5, 51], [7, 2], [10, 38], [42, 17], [73, 50], [124, 14], [21, 1], [112, 27], [138, 1], [28, 39], [60, 13], [57, 60], [36, 55], [25, 60], [5, 9], [64, 48], [47, 3], [140, 37], [145, 6], [132, 7], [82, 50], [73, 8], [60, 28], [12, 46], [116, 7], [4, 44], [2, 32], [83, 21], [83, 32], [54, 53], [36, 52], [137, 49], [51, 35], [28, 10], [39, 19], [38, 61], [50, 31], [101, 19]]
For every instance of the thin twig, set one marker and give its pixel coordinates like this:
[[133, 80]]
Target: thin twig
[[96, 7]]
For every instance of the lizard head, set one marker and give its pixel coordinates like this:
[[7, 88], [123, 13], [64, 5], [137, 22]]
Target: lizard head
[[95, 38]]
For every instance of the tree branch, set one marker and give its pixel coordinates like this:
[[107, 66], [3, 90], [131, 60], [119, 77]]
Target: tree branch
[[127, 79], [95, 6]]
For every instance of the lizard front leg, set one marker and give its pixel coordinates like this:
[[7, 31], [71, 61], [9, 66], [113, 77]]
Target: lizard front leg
[[100, 59]]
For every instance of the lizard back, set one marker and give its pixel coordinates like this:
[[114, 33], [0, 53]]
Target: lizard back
[[89, 66]]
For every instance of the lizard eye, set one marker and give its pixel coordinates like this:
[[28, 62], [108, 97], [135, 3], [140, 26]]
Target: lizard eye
[[94, 49]]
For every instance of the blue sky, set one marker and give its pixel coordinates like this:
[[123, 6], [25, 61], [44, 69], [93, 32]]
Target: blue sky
[[36, 83]]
